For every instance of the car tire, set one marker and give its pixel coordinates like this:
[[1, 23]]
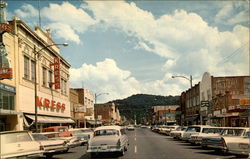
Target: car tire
[[92, 155], [49, 155], [122, 152], [65, 151]]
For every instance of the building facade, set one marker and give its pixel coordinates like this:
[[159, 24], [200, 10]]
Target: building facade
[[53, 106], [165, 114], [107, 113]]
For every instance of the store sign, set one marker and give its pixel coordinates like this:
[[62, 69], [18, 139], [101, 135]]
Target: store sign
[[224, 110], [6, 28], [40, 101], [80, 109], [57, 76], [244, 102], [7, 88], [231, 107], [5, 73], [217, 112]]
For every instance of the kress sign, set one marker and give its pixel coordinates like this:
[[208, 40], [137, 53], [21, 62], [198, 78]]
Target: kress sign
[[40, 101]]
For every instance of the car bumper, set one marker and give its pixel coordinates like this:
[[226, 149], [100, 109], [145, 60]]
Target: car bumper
[[72, 145], [23, 156], [56, 150], [107, 150]]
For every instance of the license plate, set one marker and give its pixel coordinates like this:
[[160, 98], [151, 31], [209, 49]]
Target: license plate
[[244, 146], [104, 147]]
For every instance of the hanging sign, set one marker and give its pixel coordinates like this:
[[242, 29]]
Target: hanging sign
[[57, 77]]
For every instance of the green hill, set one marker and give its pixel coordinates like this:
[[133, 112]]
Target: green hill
[[139, 105]]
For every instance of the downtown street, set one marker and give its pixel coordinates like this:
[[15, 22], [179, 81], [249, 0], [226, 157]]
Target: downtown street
[[145, 144]]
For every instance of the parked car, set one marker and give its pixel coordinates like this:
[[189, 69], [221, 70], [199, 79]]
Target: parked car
[[178, 133], [80, 135], [217, 142], [50, 146], [197, 138], [169, 129], [238, 145], [19, 144], [63, 130], [193, 129], [131, 127], [87, 131], [71, 141], [108, 139]]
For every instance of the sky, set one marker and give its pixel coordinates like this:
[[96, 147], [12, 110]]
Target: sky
[[129, 47]]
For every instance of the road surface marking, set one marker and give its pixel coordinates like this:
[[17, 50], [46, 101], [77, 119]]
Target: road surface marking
[[135, 138], [135, 148]]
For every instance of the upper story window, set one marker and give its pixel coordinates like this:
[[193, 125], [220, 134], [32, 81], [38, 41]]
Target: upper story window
[[26, 67], [44, 76], [32, 70], [63, 86]]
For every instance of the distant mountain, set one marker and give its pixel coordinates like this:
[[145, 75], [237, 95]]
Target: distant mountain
[[139, 105]]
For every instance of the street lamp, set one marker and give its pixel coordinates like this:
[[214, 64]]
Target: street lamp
[[189, 79], [97, 95], [36, 57]]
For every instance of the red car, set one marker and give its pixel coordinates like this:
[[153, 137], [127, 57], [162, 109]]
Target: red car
[[63, 131]]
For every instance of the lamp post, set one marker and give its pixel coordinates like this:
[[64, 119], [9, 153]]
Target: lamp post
[[190, 79], [36, 57], [97, 95]]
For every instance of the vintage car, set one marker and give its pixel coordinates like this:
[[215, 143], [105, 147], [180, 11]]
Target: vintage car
[[217, 142], [238, 145], [193, 129], [63, 130], [131, 127], [170, 128], [197, 138], [87, 131], [19, 144], [178, 133], [80, 135], [71, 141], [108, 139], [50, 146]]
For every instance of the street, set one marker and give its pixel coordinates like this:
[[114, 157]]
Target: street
[[145, 144]]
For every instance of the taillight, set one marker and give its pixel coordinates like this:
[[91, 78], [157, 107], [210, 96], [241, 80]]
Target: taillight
[[223, 143], [41, 147], [70, 134]]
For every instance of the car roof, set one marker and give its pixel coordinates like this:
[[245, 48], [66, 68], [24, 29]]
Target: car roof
[[108, 127]]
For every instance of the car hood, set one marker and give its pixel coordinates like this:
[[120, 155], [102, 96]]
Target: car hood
[[104, 140]]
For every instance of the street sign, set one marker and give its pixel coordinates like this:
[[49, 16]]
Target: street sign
[[204, 103]]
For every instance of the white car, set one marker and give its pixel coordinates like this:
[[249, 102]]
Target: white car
[[50, 146], [193, 129], [178, 133], [19, 144], [131, 127], [238, 145], [197, 138], [108, 139], [170, 128]]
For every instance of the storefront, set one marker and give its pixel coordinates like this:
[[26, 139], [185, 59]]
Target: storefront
[[8, 113]]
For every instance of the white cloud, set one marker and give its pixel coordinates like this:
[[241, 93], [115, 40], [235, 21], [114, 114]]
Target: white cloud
[[107, 77], [26, 11], [185, 38]]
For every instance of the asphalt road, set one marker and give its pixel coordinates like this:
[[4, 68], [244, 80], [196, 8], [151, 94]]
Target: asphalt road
[[145, 144]]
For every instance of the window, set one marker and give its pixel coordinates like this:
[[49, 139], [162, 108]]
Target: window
[[44, 76], [63, 86], [7, 101], [32, 70], [50, 79], [26, 67]]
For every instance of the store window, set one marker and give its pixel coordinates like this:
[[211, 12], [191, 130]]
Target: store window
[[26, 67], [7, 100]]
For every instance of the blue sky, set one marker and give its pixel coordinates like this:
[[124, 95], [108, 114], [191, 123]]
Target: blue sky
[[130, 47]]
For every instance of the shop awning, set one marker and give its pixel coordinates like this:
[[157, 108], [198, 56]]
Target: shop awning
[[49, 119], [92, 122]]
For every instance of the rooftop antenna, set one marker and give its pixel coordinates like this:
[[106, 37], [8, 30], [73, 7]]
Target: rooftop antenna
[[39, 14]]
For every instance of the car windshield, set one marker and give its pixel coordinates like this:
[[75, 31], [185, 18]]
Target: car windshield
[[106, 132], [39, 137], [193, 129], [15, 137], [247, 134]]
